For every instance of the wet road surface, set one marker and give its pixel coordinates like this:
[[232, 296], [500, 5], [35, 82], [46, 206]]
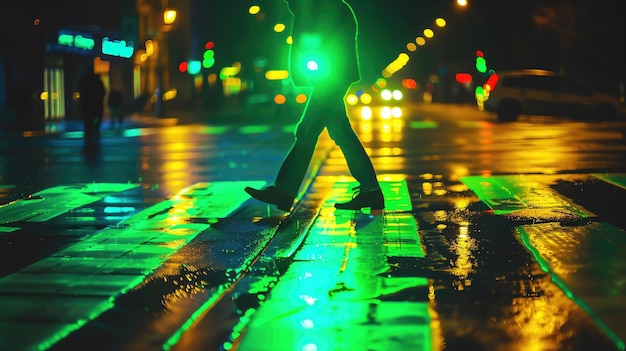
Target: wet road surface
[[496, 237]]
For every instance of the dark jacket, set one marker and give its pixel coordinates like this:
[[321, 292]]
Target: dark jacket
[[326, 29]]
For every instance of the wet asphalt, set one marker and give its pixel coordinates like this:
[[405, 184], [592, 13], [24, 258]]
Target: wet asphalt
[[491, 241]]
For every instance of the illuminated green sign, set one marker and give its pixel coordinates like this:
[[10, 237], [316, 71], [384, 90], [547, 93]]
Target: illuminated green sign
[[117, 48], [77, 41]]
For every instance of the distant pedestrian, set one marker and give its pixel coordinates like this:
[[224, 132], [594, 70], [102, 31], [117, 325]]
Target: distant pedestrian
[[92, 93], [324, 57], [116, 104]]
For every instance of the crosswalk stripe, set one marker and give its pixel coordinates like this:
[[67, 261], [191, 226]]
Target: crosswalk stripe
[[583, 277], [333, 287], [49, 299], [52, 202], [615, 179], [598, 245], [510, 193]]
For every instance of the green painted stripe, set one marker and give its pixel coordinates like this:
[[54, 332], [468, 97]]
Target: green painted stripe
[[495, 192], [396, 193], [85, 277], [615, 179], [511, 193], [331, 287], [52, 202], [424, 125]]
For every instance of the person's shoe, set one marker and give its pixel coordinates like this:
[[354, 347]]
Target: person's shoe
[[373, 200], [272, 195]]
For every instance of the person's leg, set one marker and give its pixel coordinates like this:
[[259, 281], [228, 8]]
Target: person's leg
[[359, 162], [293, 168], [87, 129]]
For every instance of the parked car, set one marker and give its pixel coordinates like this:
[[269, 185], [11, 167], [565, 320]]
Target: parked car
[[541, 92]]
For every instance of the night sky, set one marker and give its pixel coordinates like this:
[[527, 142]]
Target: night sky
[[580, 37]]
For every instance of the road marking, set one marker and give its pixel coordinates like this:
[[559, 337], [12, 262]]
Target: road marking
[[424, 124], [332, 294], [615, 179], [511, 193], [52, 202], [49, 299], [593, 277], [583, 260]]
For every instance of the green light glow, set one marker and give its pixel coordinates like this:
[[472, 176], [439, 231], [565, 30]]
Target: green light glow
[[215, 130], [65, 39], [255, 129], [424, 124], [481, 64], [312, 65], [77, 41], [73, 135], [194, 67], [208, 58], [329, 299], [118, 48]]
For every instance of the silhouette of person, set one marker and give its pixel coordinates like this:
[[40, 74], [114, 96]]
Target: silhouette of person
[[116, 104], [323, 56], [92, 93]]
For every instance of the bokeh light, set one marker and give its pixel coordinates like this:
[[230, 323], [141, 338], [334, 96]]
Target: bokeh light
[[254, 9]]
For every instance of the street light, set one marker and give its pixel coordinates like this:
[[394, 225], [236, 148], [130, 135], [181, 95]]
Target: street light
[[169, 17]]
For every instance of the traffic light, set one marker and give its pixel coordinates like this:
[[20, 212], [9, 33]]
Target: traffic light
[[208, 58], [481, 63]]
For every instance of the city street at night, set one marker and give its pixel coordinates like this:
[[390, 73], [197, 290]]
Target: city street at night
[[496, 236], [312, 175]]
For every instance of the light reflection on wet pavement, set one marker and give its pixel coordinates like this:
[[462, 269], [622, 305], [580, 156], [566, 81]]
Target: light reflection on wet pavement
[[492, 262], [338, 294]]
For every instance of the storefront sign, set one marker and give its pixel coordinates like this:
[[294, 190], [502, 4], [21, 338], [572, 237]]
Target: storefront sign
[[78, 41], [119, 48]]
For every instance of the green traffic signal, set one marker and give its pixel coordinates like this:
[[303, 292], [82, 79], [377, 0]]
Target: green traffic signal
[[208, 58], [481, 64]]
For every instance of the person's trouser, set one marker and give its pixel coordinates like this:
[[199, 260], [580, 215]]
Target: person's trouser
[[325, 109], [91, 129]]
